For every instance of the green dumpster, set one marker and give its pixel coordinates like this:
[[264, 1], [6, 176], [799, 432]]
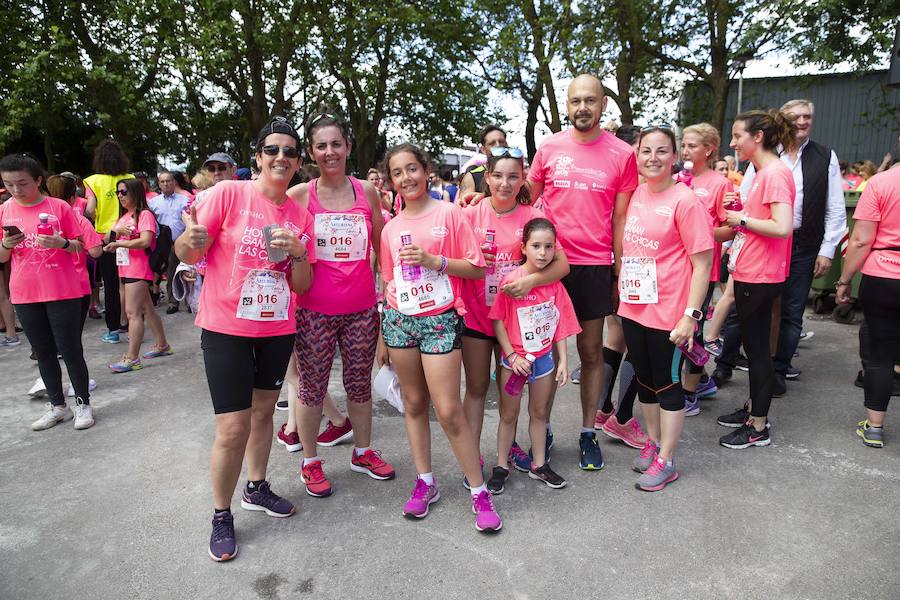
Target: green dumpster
[[824, 286]]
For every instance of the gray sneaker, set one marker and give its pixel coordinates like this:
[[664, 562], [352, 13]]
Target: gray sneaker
[[648, 453], [657, 476], [55, 414], [873, 437]]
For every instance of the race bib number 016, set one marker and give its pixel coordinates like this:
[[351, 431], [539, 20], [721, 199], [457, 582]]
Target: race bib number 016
[[637, 281], [265, 296], [431, 290], [537, 325], [341, 237]]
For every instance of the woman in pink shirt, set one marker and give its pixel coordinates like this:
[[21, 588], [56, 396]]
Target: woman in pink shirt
[[760, 256], [131, 239], [426, 252], [40, 238], [666, 257], [339, 309]]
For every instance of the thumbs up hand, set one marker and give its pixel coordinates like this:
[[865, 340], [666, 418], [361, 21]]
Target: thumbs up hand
[[197, 234]]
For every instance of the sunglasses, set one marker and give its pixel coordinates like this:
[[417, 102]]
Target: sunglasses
[[223, 168], [499, 151], [288, 151], [121, 193], [320, 117], [663, 126]]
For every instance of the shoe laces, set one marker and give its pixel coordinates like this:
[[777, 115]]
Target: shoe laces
[[648, 450], [372, 457], [517, 454], [420, 490], [223, 527], [636, 428], [484, 502], [656, 467], [314, 472]]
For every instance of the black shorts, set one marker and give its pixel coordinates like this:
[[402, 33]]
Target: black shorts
[[236, 365], [590, 288], [134, 280], [474, 333]]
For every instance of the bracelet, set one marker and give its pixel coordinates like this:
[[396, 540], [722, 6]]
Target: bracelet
[[5, 247], [513, 354], [300, 258], [840, 283], [444, 263]]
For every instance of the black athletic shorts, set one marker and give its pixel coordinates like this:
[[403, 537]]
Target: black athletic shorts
[[590, 288], [474, 333], [236, 365], [133, 280]]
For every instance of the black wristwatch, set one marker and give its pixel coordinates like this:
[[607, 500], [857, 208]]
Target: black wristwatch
[[67, 244]]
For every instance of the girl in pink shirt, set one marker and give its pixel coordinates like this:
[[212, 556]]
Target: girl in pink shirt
[[666, 256], [426, 252], [760, 256], [130, 239], [528, 328]]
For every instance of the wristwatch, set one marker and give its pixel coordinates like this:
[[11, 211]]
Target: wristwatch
[[694, 313], [67, 244], [744, 221]]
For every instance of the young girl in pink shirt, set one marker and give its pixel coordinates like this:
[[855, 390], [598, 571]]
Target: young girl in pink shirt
[[527, 329]]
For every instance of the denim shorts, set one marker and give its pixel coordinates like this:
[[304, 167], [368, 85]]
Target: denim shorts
[[543, 366], [436, 334]]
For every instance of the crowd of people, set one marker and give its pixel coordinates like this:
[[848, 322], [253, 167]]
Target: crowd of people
[[626, 233]]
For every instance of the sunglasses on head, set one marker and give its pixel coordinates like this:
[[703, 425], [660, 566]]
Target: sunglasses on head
[[288, 151], [499, 151], [320, 117], [663, 126], [223, 168]]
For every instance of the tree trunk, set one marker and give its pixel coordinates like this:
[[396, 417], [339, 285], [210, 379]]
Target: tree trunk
[[720, 85]]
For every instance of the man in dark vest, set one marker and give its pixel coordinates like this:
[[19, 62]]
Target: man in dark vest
[[489, 137]]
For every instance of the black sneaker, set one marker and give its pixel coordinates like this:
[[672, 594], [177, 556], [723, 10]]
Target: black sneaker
[[735, 419], [547, 475], [741, 363], [792, 373], [282, 404], [860, 381], [745, 436], [720, 375], [222, 543], [779, 388], [498, 478]]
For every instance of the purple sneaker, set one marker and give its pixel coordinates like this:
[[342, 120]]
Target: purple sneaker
[[486, 518], [264, 499], [691, 405], [222, 544], [707, 388], [421, 497]]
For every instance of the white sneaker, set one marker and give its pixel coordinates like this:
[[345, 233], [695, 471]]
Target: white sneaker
[[805, 336], [38, 389], [92, 385], [54, 415], [84, 415]]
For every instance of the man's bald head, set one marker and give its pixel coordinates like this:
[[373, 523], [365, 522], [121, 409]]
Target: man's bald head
[[585, 102]]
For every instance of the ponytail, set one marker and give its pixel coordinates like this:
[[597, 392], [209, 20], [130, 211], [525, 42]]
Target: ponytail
[[777, 128]]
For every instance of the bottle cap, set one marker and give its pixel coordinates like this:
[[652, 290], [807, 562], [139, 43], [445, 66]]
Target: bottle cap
[[43, 216], [688, 165], [530, 358]]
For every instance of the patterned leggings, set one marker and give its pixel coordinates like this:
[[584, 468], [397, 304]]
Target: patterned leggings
[[356, 334]]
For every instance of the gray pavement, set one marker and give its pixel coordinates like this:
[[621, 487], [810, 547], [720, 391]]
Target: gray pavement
[[122, 510]]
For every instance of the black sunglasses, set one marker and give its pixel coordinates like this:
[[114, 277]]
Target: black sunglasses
[[288, 151], [121, 193], [223, 168]]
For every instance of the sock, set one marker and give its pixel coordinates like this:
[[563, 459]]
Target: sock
[[252, 485], [587, 430], [222, 510], [360, 451], [308, 461], [477, 490], [428, 478], [612, 360], [870, 426]]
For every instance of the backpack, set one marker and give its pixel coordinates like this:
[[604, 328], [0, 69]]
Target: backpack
[[159, 256]]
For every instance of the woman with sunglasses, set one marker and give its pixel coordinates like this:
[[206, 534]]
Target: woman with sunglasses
[[131, 239], [40, 239], [759, 262], [501, 216], [666, 256], [339, 309], [250, 233]]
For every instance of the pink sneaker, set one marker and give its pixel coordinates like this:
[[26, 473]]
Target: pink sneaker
[[600, 418], [335, 434], [486, 518], [421, 497], [630, 433]]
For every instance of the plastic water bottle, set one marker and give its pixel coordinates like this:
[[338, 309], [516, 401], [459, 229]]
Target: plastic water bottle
[[408, 272], [735, 204], [516, 382], [686, 174], [697, 354], [490, 246], [44, 227]]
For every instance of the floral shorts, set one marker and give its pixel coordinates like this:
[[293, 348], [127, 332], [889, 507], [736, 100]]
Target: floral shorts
[[437, 334]]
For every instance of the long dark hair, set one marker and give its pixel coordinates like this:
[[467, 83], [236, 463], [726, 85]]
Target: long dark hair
[[776, 127], [135, 189], [110, 159]]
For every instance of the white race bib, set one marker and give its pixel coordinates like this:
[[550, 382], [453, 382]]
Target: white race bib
[[123, 257], [430, 290], [265, 296], [537, 325], [736, 246], [492, 280], [341, 237], [637, 281]]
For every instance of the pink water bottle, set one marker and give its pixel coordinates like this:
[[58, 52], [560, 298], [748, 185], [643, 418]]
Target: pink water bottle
[[490, 246], [697, 354], [516, 382], [44, 227], [409, 272], [733, 202], [686, 174]]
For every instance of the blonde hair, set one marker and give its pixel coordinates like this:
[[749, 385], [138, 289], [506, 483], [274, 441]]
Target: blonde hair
[[202, 180], [710, 137]]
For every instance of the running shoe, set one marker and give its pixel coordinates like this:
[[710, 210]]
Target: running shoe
[[734, 419], [519, 458], [600, 418], [480, 464], [167, 351], [575, 376], [745, 436], [741, 363], [591, 457], [84, 415], [10, 342], [548, 444], [873, 437], [222, 543], [281, 404], [643, 461], [291, 441], [55, 414], [498, 480], [691, 405], [38, 389], [547, 475], [312, 475], [630, 432], [110, 337], [125, 365], [93, 314], [420, 498], [707, 387], [267, 501], [92, 385], [370, 463], [792, 373], [335, 434], [720, 375], [123, 328], [805, 336], [714, 347], [486, 518], [860, 380], [657, 476]]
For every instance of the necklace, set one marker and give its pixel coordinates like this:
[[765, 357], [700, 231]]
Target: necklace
[[501, 213]]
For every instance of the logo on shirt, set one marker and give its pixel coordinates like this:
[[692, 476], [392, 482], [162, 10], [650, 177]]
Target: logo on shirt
[[562, 183], [256, 215], [439, 231], [563, 163], [664, 211], [701, 192], [579, 185]]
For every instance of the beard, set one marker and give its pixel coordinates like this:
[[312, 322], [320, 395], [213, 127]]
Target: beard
[[584, 123]]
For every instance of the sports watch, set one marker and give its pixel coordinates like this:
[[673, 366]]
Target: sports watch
[[694, 313]]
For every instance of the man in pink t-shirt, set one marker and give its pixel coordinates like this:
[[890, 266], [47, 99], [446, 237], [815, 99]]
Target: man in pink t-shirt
[[586, 176]]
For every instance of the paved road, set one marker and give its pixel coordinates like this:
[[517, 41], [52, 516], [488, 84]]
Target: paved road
[[122, 510]]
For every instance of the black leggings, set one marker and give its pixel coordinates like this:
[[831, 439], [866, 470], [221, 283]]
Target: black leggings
[[110, 274], [656, 363], [880, 298], [51, 327], [753, 302]]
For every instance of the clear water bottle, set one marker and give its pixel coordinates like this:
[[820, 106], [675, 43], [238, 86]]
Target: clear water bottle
[[516, 382], [408, 272], [44, 227], [686, 174], [490, 246]]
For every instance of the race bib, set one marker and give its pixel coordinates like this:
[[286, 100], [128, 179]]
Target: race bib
[[492, 280], [265, 296], [341, 237], [430, 290], [736, 246], [637, 281], [123, 257], [537, 325]]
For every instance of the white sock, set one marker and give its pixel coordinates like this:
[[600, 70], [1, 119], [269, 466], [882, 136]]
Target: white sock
[[587, 430], [477, 490], [308, 461], [428, 478], [360, 451]]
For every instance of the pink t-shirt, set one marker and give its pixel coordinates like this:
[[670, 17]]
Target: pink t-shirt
[[710, 188], [138, 266], [90, 239], [764, 259], [477, 293], [533, 331], [441, 230], [343, 281], [667, 227], [235, 214], [880, 202], [580, 186], [80, 205], [39, 274]]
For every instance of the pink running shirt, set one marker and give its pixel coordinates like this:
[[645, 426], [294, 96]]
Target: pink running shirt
[[138, 266], [880, 202], [710, 188], [580, 186], [89, 239]]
